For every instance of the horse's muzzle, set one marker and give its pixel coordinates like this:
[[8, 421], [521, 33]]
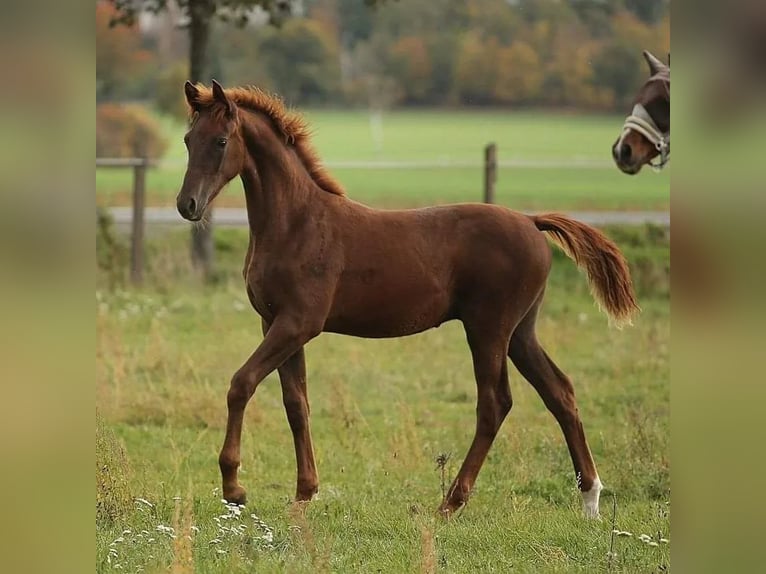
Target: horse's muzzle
[[623, 158], [187, 207], [193, 198]]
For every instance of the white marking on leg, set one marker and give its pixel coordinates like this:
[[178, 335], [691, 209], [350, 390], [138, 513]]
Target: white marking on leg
[[590, 499]]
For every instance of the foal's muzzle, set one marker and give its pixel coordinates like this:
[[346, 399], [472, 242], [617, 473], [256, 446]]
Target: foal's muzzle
[[194, 196], [189, 208]]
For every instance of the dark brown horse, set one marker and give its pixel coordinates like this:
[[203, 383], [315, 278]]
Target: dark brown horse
[[646, 132], [318, 261]]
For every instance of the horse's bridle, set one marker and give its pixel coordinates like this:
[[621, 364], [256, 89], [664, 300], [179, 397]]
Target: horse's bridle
[[639, 120]]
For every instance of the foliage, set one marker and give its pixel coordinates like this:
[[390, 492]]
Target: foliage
[[128, 131], [169, 98], [111, 251], [238, 11], [410, 63], [122, 64], [113, 497], [580, 54], [650, 11], [301, 61], [476, 70], [523, 74]]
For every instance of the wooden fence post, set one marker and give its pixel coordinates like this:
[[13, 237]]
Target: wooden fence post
[[137, 231], [490, 172]]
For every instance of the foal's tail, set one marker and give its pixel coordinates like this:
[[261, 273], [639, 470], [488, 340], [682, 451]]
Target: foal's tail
[[607, 270]]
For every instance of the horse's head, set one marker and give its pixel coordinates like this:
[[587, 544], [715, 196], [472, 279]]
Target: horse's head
[[646, 133], [215, 146]]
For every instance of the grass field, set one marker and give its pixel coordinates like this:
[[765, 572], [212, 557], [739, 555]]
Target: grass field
[[382, 411], [445, 136]]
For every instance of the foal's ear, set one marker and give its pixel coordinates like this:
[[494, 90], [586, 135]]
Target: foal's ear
[[220, 96], [655, 65], [192, 95]]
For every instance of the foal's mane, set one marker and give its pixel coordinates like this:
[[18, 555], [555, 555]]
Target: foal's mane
[[290, 125]]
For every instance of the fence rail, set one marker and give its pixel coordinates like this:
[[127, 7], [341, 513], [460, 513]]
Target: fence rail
[[128, 162], [237, 217]]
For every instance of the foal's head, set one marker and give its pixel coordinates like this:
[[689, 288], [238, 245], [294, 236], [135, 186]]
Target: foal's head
[[646, 134], [216, 149]]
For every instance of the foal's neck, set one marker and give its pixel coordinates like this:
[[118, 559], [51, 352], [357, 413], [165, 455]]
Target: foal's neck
[[278, 188]]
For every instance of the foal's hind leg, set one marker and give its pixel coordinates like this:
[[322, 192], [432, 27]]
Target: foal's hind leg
[[557, 393], [493, 404]]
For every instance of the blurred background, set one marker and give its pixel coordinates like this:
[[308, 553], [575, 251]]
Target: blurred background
[[581, 55]]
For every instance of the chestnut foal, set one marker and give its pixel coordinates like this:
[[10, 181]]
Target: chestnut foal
[[318, 261]]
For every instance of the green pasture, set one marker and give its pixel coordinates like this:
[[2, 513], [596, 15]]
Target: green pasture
[[382, 412], [567, 142]]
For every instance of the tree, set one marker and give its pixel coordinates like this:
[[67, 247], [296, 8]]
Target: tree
[[650, 11], [595, 14], [476, 69], [520, 74], [301, 61], [410, 64], [619, 67], [199, 15], [121, 62]]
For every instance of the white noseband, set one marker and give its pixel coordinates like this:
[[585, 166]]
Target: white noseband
[[640, 121]]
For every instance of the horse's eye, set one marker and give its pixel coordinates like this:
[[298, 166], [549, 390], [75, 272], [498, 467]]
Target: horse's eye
[[221, 142]]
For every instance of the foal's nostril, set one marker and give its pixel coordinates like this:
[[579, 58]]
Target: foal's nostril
[[192, 207], [625, 152]]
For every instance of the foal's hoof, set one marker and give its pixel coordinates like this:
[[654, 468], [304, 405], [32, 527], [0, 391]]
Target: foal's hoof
[[306, 494], [449, 508], [236, 495]]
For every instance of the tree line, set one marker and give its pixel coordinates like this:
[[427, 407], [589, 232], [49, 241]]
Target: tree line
[[583, 54]]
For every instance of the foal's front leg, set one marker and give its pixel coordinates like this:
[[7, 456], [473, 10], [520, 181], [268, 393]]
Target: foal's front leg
[[292, 376], [284, 339]]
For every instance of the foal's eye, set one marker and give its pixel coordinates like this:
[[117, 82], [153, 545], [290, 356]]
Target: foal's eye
[[221, 142]]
